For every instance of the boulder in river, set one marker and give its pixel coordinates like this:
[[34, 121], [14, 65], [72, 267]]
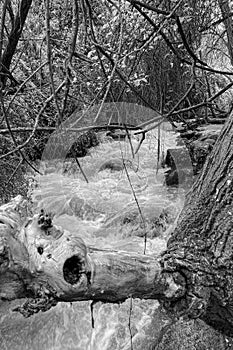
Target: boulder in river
[[186, 161]]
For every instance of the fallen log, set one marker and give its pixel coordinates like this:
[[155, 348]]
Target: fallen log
[[47, 264]]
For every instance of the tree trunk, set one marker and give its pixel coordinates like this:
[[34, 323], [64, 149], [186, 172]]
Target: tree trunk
[[13, 39], [227, 19], [201, 248], [193, 277]]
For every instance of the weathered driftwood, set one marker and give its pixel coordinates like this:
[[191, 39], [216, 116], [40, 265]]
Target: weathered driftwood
[[48, 264]]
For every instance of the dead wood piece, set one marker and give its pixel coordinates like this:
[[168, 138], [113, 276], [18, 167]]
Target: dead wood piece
[[47, 264]]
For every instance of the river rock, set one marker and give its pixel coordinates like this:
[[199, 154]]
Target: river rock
[[113, 165], [187, 161], [153, 219], [174, 177], [117, 134]]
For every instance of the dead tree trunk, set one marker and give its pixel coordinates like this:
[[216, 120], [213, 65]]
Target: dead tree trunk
[[193, 277]]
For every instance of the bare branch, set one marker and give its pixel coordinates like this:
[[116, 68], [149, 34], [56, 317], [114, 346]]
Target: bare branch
[[171, 46], [12, 135], [35, 125]]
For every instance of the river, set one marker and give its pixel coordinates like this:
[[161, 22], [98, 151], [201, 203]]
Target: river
[[104, 212]]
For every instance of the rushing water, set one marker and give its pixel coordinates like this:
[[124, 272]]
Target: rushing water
[[104, 212]]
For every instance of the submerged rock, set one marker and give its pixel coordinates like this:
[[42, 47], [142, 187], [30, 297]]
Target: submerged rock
[[113, 165], [153, 218], [84, 141]]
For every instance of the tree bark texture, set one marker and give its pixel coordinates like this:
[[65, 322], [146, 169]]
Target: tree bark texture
[[201, 247]]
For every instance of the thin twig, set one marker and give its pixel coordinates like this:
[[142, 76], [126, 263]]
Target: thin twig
[[141, 49], [54, 93], [75, 26], [129, 139], [49, 58], [208, 101], [113, 70], [124, 79], [12, 135], [205, 103], [136, 201], [15, 171], [94, 40], [34, 127], [179, 25], [23, 84], [171, 46], [186, 45], [129, 322]]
